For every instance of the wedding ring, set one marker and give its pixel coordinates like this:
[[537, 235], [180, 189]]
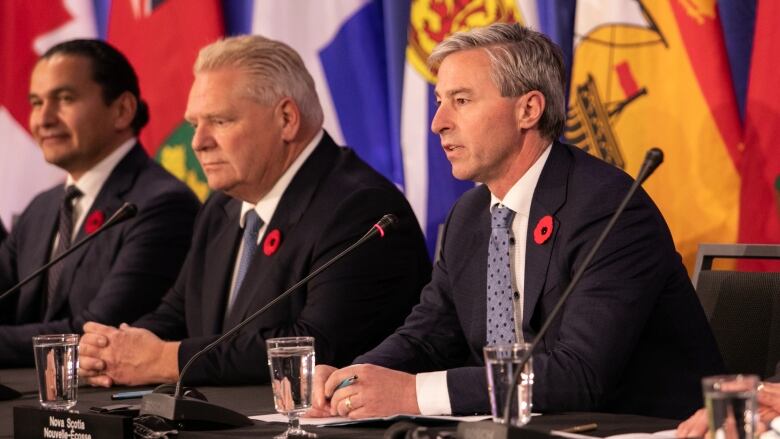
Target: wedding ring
[[348, 404]]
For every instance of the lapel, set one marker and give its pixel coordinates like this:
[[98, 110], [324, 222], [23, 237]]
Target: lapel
[[221, 248], [478, 248], [258, 287], [109, 199], [549, 196], [31, 297]]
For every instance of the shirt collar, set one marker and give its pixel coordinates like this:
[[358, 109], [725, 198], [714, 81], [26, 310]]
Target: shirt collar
[[266, 207], [519, 196], [92, 181]]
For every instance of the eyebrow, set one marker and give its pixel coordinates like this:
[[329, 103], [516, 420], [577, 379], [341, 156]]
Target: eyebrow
[[453, 92], [53, 92]]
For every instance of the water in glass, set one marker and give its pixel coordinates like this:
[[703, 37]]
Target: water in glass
[[56, 365]]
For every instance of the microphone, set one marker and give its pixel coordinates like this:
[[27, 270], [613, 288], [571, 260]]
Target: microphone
[[490, 429], [127, 211], [197, 412]]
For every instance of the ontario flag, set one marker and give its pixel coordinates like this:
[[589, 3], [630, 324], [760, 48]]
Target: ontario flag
[[161, 38], [655, 74], [27, 29]]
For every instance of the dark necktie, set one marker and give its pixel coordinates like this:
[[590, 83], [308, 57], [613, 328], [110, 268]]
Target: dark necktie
[[252, 225], [500, 310], [64, 231]]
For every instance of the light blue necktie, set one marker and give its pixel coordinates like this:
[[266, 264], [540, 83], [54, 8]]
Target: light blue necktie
[[252, 224], [500, 310]]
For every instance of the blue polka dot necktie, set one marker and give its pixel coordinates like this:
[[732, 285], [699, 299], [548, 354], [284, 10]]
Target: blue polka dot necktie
[[500, 310]]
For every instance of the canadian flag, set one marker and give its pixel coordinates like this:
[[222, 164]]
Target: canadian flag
[[27, 29]]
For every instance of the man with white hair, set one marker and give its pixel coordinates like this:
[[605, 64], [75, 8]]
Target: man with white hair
[[287, 200]]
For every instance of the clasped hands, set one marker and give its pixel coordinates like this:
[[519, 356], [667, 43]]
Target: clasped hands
[[377, 391], [125, 355]]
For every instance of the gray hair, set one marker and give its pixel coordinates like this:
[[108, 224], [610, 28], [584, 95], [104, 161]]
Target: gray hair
[[276, 71], [521, 60]]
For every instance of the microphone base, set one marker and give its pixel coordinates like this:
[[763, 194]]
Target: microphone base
[[192, 414], [7, 393], [493, 430]]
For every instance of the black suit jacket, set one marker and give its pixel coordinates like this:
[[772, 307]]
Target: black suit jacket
[[331, 202], [3, 233], [632, 337], [115, 278]]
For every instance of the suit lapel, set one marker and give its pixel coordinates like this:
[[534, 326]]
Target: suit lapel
[[549, 196], [292, 206], [478, 248], [222, 248], [109, 199], [31, 297]]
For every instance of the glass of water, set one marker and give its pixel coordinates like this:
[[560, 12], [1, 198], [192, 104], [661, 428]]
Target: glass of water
[[732, 409], [57, 364], [291, 363], [501, 362]]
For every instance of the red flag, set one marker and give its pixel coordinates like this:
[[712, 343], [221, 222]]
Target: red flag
[[162, 39], [759, 220], [27, 29]]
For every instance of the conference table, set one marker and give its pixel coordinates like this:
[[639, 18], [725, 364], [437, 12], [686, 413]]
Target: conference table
[[254, 400]]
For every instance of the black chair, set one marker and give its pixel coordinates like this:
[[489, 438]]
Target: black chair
[[743, 308]]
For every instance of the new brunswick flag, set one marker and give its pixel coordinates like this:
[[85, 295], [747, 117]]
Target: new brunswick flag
[[655, 74], [162, 39]]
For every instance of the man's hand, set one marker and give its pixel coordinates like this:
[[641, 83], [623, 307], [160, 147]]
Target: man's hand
[[320, 405], [376, 392], [126, 355]]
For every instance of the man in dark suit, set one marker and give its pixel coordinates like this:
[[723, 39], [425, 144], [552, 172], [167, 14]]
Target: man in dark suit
[[300, 200], [632, 337], [3, 233], [86, 114]]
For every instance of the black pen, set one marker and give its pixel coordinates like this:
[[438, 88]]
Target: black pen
[[130, 395]]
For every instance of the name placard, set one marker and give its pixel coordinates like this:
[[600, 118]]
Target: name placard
[[37, 422]]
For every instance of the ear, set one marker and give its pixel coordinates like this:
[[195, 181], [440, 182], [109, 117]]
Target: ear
[[290, 117], [529, 109], [123, 109]]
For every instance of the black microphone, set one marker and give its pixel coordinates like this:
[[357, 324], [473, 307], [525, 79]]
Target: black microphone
[[199, 413], [127, 211], [492, 430]]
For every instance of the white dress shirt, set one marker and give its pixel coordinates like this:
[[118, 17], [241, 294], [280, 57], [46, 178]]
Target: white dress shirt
[[90, 185], [433, 397], [265, 209]]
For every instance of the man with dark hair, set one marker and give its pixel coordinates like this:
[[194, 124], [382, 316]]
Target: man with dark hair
[[86, 114], [632, 337]]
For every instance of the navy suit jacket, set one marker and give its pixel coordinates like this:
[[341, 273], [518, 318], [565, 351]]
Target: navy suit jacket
[[115, 278], [333, 199], [632, 338]]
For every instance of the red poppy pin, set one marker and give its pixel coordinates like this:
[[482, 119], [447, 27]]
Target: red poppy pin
[[272, 241], [543, 230], [94, 221]]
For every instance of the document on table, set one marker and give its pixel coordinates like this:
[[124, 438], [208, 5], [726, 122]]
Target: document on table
[[665, 434], [336, 421]]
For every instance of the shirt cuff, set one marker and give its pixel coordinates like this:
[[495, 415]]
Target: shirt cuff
[[433, 397]]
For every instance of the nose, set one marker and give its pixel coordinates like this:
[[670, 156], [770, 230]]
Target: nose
[[44, 115], [201, 139], [441, 121]]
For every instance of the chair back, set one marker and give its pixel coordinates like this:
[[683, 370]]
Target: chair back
[[743, 308]]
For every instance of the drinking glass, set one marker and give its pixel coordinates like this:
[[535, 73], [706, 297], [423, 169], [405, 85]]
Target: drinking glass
[[732, 409], [56, 365], [291, 363], [501, 362]]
